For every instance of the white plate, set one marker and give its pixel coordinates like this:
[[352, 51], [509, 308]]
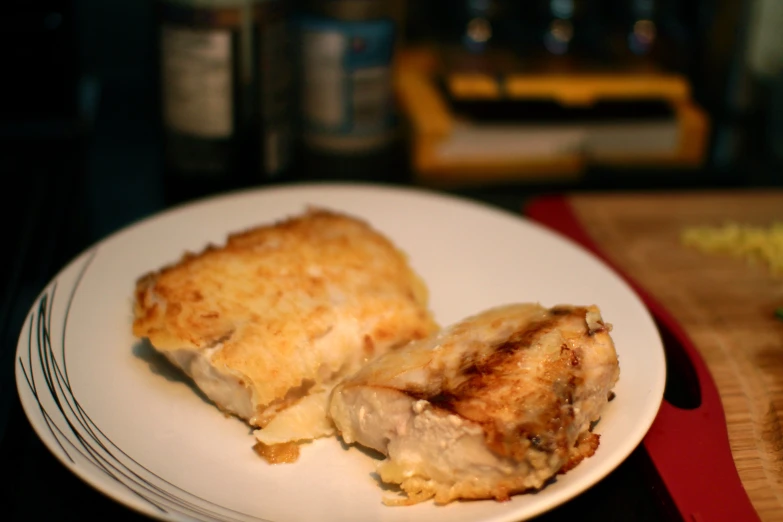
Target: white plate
[[112, 414]]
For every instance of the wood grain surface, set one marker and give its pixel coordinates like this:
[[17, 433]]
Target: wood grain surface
[[725, 304]]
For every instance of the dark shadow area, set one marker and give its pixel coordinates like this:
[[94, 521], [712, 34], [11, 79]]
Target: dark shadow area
[[682, 384], [159, 365], [375, 455]]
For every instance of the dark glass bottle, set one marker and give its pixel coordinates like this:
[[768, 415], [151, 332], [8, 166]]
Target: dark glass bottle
[[634, 31], [223, 87], [207, 99], [572, 28], [276, 97]]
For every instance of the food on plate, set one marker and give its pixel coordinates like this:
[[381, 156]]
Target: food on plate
[[268, 323], [493, 405]]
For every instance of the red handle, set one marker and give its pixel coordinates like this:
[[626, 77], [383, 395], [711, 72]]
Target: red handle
[[688, 447]]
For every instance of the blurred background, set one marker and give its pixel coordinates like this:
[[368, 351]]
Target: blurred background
[[114, 110], [166, 100]]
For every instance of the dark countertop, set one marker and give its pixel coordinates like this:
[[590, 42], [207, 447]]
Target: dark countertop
[[82, 184]]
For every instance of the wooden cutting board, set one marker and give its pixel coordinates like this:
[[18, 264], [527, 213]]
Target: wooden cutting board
[[725, 304]]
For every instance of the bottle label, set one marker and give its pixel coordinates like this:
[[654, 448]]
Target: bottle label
[[197, 81], [346, 76], [371, 95]]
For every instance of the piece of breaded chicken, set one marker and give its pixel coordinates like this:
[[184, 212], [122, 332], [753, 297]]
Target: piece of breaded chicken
[[494, 405], [266, 324]]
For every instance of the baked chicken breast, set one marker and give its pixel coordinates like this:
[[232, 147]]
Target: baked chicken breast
[[493, 405], [268, 323]]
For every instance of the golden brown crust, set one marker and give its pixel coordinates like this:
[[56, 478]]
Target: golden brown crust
[[586, 446], [284, 453], [518, 386], [477, 392], [273, 292]]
